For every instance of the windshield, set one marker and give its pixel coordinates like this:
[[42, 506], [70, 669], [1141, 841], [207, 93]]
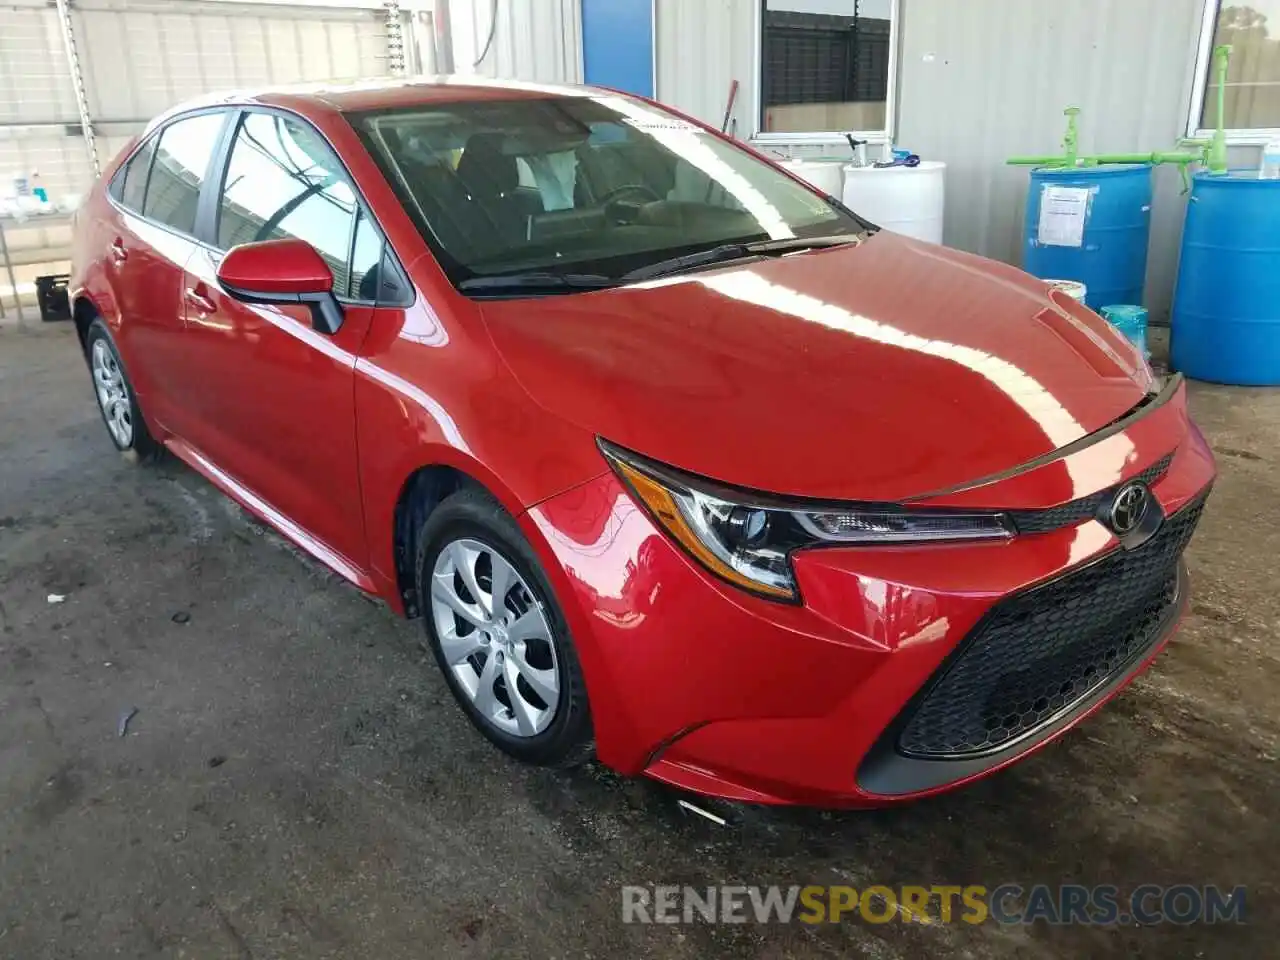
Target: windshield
[[572, 185]]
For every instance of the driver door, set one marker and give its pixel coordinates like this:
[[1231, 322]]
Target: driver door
[[272, 399]]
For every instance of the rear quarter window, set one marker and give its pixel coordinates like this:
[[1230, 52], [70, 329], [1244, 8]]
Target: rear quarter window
[[183, 151], [130, 185]]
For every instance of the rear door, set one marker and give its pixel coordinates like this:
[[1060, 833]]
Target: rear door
[[156, 196], [273, 399]]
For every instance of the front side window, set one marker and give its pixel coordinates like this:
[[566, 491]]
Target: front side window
[[283, 181], [601, 184], [824, 66], [181, 163], [1251, 95]]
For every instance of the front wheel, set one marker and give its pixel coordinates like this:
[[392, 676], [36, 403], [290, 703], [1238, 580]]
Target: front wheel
[[498, 634]]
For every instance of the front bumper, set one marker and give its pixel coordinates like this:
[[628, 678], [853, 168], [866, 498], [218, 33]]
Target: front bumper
[[708, 688]]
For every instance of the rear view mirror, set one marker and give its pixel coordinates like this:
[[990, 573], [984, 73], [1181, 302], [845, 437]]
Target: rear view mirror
[[282, 271]]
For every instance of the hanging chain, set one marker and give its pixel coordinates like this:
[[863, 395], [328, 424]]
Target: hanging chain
[[395, 39], [77, 83]]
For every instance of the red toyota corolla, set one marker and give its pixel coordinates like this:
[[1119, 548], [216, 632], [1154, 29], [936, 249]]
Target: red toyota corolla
[[680, 462]]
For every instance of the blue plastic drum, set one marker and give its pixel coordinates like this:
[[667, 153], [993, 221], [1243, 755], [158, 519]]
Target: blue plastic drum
[[1090, 224], [1226, 310]]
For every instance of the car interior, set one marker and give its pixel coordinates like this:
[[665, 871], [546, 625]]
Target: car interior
[[530, 195]]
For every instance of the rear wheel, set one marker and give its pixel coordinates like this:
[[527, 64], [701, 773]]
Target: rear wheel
[[498, 634], [116, 399]]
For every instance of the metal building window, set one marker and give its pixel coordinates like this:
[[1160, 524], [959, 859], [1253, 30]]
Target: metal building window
[[826, 68], [1251, 95]]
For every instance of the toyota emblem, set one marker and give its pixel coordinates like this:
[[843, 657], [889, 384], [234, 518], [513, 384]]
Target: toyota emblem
[[1129, 507]]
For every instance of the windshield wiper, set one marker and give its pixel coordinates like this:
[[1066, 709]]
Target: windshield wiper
[[536, 280], [726, 251], [539, 280], [735, 251]]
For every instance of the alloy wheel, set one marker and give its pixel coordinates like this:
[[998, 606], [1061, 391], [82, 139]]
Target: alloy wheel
[[495, 638], [113, 394]]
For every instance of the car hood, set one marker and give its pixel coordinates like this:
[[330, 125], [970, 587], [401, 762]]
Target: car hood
[[878, 372]]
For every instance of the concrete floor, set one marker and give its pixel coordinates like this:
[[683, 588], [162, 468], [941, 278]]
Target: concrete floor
[[297, 781]]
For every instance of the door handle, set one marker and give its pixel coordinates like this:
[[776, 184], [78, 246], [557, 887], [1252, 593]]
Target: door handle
[[118, 253], [198, 300]]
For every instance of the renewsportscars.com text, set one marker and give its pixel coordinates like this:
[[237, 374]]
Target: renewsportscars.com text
[[1008, 903]]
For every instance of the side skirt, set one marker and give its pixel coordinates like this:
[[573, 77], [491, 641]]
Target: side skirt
[[270, 515]]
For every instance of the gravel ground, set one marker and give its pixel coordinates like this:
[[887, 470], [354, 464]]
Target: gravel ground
[[296, 781]]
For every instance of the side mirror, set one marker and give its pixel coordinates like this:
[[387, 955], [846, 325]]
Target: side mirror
[[282, 271]]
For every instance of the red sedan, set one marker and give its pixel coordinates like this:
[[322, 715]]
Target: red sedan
[[680, 462]]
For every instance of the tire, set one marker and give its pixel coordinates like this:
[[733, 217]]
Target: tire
[[478, 661], [117, 400]]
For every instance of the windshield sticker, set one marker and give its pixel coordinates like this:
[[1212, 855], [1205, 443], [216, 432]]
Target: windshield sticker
[[679, 126]]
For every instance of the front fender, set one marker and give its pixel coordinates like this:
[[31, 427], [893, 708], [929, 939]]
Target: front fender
[[491, 433]]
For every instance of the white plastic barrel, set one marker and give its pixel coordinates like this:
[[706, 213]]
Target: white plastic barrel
[[825, 175], [906, 200]]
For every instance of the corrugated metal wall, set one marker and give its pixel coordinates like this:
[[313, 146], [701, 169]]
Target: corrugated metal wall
[[35, 86], [36, 89], [985, 79], [140, 57], [534, 40], [981, 80], [181, 50], [703, 46]]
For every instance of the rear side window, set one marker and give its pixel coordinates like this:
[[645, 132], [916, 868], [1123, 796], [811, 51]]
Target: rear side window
[[133, 178], [284, 181], [181, 162]]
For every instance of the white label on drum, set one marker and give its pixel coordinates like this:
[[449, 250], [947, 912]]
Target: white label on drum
[[1063, 211]]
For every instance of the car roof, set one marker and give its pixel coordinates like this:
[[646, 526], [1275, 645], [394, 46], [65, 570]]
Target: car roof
[[311, 99]]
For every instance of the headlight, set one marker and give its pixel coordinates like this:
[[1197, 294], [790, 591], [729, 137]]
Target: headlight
[[747, 538]]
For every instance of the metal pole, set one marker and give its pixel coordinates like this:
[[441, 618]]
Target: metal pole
[[13, 280], [853, 79], [77, 83], [420, 44], [444, 37]]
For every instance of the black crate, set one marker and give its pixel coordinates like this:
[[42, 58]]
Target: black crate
[[51, 295]]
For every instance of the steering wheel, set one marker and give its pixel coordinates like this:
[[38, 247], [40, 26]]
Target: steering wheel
[[612, 195]]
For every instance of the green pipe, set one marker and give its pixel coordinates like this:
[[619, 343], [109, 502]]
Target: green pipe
[[1072, 136], [1093, 161], [1181, 158], [1215, 156], [1211, 153]]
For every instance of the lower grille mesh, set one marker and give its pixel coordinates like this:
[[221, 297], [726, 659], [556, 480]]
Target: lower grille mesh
[[1038, 653]]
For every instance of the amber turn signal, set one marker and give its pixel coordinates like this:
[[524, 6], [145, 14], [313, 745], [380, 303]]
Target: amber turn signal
[[666, 511]]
